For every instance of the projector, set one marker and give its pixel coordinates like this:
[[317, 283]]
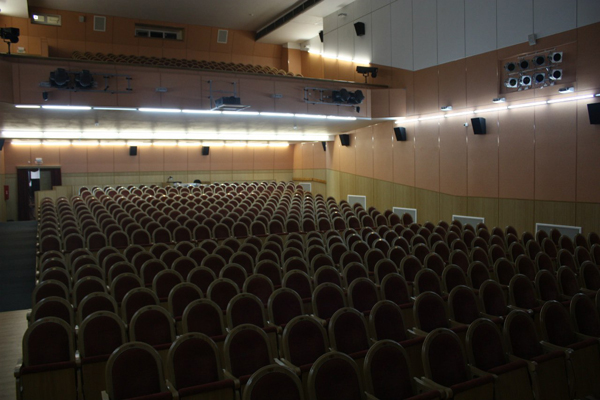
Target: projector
[[230, 103]]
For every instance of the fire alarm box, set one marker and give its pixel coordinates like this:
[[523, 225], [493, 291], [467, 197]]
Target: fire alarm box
[[5, 192]]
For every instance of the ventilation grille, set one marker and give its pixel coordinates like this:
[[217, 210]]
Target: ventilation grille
[[353, 199], [99, 23], [222, 36], [306, 186], [158, 32], [567, 230], [465, 219], [410, 211]]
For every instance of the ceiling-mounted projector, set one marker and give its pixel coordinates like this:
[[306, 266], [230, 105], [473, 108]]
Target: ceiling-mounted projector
[[229, 103]]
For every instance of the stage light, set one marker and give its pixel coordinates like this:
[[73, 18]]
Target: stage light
[[510, 66], [511, 83], [59, 78], [538, 61], [524, 64], [539, 77], [555, 74], [556, 57], [525, 80]]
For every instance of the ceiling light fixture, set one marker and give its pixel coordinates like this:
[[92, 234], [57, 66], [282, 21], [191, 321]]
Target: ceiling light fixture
[[536, 103], [72, 108], [26, 106], [115, 108], [566, 90], [160, 110], [499, 100], [588, 96]]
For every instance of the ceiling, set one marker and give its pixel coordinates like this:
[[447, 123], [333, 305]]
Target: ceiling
[[143, 125], [249, 15]]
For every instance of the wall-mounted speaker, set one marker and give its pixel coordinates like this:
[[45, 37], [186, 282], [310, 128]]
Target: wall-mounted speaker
[[321, 36], [478, 126], [593, 111], [1, 144], [400, 132], [205, 150], [359, 27], [324, 146], [133, 150], [345, 139]]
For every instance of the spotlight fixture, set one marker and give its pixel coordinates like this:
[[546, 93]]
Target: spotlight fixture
[[538, 61], [555, 74], [566, 90], [525, 80], [446, 108], [10, 35], [539, 78], [59, 78], [344, 96], [510, 67], [511, 83], [524, 64], [556, 57], [84, 79], [499, 100], [365, 71]]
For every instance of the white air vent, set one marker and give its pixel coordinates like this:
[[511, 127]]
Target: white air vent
[[569, 231], [222, 36], [99, 23], [465, 219], [410, 211], [353, 199], [158, 32], [306, 186]]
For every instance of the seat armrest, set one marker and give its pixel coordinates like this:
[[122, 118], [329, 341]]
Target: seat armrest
[[77, 359], [581, 337], [531, 365], [456, 324], [426, 384], [588, 291], [476, 372], [17, 370], [171, 389], [416, 332], [285, 363], [105, 395], [321, 321], [490, 316], [369, 396], [228, 375], [549, 347], [527, 310]]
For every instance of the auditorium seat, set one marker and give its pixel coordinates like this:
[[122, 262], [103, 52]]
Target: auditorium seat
[[135, 300], [180, 296], [53, 306], [327, 299], [334, 375], [155, 326], [349, 334], [202, 277], [206, 317], [246, 308], [95, 302], [271, 382]]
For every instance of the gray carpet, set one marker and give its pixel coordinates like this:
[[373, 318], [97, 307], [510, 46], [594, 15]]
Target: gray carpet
[[17, 264]]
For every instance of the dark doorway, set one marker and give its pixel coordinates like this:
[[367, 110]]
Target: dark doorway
[[31, 180]]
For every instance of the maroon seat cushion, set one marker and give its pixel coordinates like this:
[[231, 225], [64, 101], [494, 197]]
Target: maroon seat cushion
[[209, 387], [33, 369], [470, 384]]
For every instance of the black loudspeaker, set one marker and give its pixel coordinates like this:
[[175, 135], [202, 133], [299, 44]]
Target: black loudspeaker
[[400, 133], [321, 36], [133, 150], [359, 27], [345, 139], [2, 144], [478, 126], [205, 150], [593, 111], [324, 146]]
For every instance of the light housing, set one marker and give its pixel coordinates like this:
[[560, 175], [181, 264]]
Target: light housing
[[511, 83], [555, 74], [556, 57], [525, 80]]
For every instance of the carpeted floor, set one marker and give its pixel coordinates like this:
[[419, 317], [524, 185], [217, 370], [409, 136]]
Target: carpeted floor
[[17, 264]]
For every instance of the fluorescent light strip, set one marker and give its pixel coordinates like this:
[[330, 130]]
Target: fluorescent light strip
[[213, 144], [589, 96], [164, 143], [341, 58], [315, 116], [160, 110], [490, 109], [139, 144], [279, 144], [189, 144], [537, 103], [21, 134], [272, 114], [429, 118], [74, 108], [26, 142], [201, 112], [258, 144], [112, 143], [56, 143], [341, 118], [85, 143], [115, 108], [458, 114], [26, 106], [236, 144], [242, 113]]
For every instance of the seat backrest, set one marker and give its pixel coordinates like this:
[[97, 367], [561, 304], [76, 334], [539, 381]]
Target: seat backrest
[[298, 281], [427, 280], [567, 281], [492, 298], [201, 277], [430, 312], [136, 299], [134, 370], [348, 331], [463, 305], [95, 302], [444, 361], [247, 349], [270, 269], [273, 382], [393, 287], [335, 376], [123, 284], [485, 348], [193, 360], [556, 324], [85, 286], [387, 371], [546, 286], [521, 292], [221, 291], [409, 267], [477, 274], [362, 294], [327, 299], [180, 296], [35, 340], [245, 308], [520, 335], [101, 333], [386, 322], [304, 340], [203, 316], [153, 325], [53, 307], [284, 305], [452, 276], [584, 315]]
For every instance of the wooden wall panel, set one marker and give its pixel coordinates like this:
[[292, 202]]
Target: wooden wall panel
[[364, 152], [365, 187], [556, 212], [427, 156], [101, 159], [518, 213], [348, 156], [383, 192], [383, 152], [74, 159], [283, 158], [405, 196], [176, 158], [49, 154], [482, 161], [453, 84], [482, 79], [404, 157], [453, 156], [428, 206], [588, 161], [152, 158], [319, 161], [452, 205], [426, 91], [263, 158], [486, 208], [308, 157], [123, 161]]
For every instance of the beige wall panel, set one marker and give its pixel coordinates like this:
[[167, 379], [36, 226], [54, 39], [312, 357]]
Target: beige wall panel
[[204, 176], [304, 174], [151, 158], [347, 185], [156, 177], [298, 150], [221, 158], [319, 188], [282, 176], [397, 102], [243, 158], [101, 159], [363, 141], [176, 158], [364, 187], [123, 161], [346, 70], [426, 91], [74, 180], [588, 57], [380, 103], [259, 93], [486, 208], [145, 81], [242, 176], [556, 152], [319, 157], [427, 205], [516, 161], [482, 79], [588, 217], [308, 157], [330, 68], [333, 184], [453, 83], [588, 159], [556, 212], [518, 213], [453, 156], [196, 161], [348, 156], [403, 163], [263, 175], [125, 178], [333, 154], [184, 90], [383, 152], [284, 158], [405, 79], [263, 158], [99, 179], [452, 205], [50, 155], [320, 174], [221, 176], [482, 159], [383, 195], [427, 155]]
